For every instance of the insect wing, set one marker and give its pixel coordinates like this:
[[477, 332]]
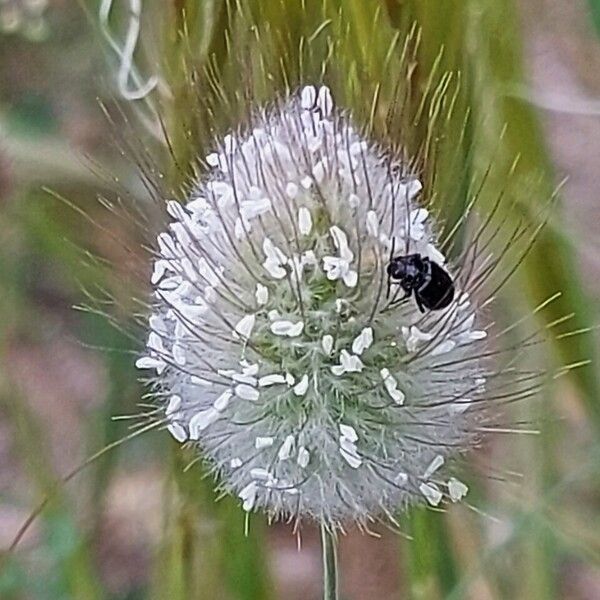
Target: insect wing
[[439, 291]]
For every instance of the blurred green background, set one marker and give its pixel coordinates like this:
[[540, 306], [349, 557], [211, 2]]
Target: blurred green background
[[134, 525]]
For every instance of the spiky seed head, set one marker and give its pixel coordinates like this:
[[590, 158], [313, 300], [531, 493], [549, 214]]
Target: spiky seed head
[[275, 345]]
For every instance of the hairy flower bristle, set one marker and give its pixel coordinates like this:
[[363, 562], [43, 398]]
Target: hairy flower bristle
[[276, 343]]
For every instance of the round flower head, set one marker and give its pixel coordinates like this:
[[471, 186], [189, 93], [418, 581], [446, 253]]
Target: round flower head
[[280, 345]]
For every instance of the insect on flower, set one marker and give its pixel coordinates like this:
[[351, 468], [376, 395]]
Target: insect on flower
[[432, 286], [273, 345]]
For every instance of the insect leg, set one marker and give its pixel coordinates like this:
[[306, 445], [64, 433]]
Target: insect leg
[[396, 301], [419, 304]]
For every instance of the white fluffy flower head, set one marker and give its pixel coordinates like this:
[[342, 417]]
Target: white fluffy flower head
[[310, 389]]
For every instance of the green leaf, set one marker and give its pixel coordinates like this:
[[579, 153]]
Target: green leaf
[[433, 572], [594, 6], [205, 552]]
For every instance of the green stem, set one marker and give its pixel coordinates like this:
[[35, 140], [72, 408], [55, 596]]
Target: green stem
[[330, 580]]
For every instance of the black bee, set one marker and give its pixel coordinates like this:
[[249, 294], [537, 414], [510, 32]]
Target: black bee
[[432, 285]]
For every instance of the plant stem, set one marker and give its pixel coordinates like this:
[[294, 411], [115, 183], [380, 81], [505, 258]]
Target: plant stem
[[330, 580]]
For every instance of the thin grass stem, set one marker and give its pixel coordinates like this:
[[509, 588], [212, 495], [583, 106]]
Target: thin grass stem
[[330, 573]]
